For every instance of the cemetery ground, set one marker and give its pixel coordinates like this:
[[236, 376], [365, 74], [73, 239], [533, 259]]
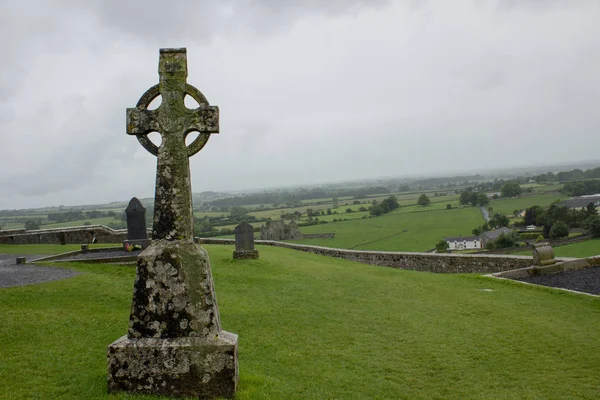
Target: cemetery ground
[[314, 327]]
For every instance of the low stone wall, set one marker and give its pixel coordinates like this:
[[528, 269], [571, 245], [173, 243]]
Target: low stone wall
[[318, 235], [71, 235], [439, 263]]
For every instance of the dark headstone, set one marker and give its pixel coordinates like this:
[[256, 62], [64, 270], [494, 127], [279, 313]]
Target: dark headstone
[[85, 248], [136, 220], [137, 234], [244, 241], [21, 260], [175, 345]]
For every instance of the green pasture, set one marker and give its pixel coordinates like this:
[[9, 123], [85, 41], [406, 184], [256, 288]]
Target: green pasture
[[586, 248], [312, 327], [507, 206], [398, 231]]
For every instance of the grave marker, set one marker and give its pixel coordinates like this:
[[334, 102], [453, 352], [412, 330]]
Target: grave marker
[[175, 345], [136, 224], [244, 241]]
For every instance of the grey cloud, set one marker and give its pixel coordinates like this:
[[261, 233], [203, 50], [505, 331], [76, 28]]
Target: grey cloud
[[310, 91]]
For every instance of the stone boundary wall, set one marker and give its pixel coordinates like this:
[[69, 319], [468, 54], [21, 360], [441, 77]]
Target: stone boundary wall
[[318, 235], [70, 235], [12, 232], [427, 262]]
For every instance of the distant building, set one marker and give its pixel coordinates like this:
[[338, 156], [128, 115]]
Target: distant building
[[493, 235], [464, 242], [581, 201], [474, 242]]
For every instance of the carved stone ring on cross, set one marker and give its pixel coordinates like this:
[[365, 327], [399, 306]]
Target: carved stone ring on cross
[[153, 93]]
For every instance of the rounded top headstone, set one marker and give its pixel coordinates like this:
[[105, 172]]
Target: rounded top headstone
[[134, 206]]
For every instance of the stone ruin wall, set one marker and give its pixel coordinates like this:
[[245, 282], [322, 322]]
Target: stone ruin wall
[[71, 235], [426, 262], [278, 230]]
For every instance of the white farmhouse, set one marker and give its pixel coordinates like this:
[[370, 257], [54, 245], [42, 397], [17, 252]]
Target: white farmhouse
[[464, 242]]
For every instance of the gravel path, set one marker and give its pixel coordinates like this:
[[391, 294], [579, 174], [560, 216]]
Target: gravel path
[[582, 280], [28, 274]]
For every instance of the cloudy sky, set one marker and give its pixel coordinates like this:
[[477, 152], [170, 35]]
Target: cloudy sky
[[309, 91]]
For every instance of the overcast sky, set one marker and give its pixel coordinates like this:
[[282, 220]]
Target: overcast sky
[[309, 91]]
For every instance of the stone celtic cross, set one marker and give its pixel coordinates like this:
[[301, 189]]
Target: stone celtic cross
[[175, 345], [173, 219]]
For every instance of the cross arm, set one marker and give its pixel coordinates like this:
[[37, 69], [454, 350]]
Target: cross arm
[[141, 121], [205, 119]]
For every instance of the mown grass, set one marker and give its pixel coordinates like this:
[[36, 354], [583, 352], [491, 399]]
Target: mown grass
[[586, 248], [312, 327], [398, 231]]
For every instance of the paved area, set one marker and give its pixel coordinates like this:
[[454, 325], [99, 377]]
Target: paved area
[[28, 274], [582, 280]]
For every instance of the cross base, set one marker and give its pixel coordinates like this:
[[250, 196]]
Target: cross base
[[245, 254], [199, 367]]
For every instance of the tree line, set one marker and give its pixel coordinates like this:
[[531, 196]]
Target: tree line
[[284, 197]]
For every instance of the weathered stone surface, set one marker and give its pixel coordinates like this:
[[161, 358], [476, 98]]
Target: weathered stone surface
[[204, 367], [175, 345], [136, 220], [543, 254], [244, 242], [70, 235], [278, 230], [173, 293], [173, 216]]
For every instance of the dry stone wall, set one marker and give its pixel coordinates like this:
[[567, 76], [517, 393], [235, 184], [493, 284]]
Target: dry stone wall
[[427, 262], [71, 235]]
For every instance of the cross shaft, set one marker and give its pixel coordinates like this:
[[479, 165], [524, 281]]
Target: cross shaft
[[173, 217]]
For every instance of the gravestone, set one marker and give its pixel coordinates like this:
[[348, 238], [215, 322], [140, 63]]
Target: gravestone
[[175, 345], [543, 254], [137, 233], [244, 241]]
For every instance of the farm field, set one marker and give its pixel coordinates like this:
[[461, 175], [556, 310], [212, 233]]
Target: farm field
[[507, 206], [313, 327], [586, 248], [397, 231]]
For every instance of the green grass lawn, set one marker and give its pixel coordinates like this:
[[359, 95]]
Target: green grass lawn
[[312, 327], [586, 248], [398, 231], [507, 206]]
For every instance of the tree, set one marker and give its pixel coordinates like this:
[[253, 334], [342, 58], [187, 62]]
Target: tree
[[348, 210], [559, 230], [442, 246], [506, 240], [448, 206], [423, 200], [482, 199], [531, 214], [511, 189], [592, 224], [31, 225], [498, 221], [335, 202], [329, 211], [238, 211]]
